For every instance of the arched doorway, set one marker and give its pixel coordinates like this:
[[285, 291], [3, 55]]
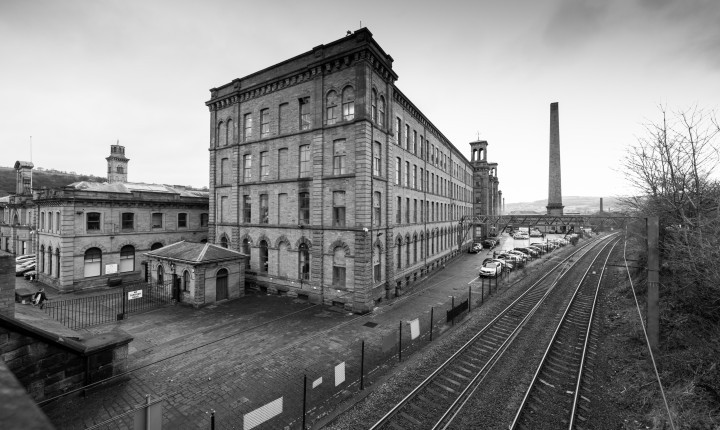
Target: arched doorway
[[221, 285]]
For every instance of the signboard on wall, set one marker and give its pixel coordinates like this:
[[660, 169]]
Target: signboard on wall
[[137, 294], [111, 268]]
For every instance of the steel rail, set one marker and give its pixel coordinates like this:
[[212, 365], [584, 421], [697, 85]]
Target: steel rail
[[551, 343], [493, 324]]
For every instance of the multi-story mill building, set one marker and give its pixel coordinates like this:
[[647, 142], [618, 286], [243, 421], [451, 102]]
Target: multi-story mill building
[[17, 214], [335, 184]]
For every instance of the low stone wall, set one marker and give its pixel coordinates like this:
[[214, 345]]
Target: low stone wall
[[17, 410], [49, 365]]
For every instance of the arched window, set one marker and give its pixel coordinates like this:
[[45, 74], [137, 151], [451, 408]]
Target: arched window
[[407, 251], [348, 103], [156, 245], [377, 269], [221, 135], [373, 105], [415, 246], [381, 112], [93, 262], [42, 258], [49, 265], [263, 256], [186, 281], [57, 262], [338, 267], [127, 259], [282, 259], [221, 285], [42, 220], [331, 108], [15, 220], [160, 275], [246, 249], [399, 253], [303, 262], [230, 133], [224, 241]]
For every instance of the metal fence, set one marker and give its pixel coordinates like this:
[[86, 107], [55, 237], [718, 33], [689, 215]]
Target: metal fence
[[100, 309]]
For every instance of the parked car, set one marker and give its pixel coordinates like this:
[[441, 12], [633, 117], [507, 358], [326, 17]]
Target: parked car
[[540, 250], [510, 257], [528, 251], [490, 269], [31, 274], [506, 263], [21, 269], [475, 248], [521, 255], [489, 243]]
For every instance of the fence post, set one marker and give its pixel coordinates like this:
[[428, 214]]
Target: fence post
[[400, 344], [304, 400], [452, 307], [362, 366], [124, 298], [212, 419], [432, 309]]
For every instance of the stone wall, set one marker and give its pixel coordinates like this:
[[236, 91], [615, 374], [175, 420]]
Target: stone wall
[[7, 284]]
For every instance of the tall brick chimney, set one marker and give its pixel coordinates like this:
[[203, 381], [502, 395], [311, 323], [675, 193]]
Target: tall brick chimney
[[554, 206], [601, 205]]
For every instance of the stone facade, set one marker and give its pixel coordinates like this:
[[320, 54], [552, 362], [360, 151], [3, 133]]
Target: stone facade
[[337, 187], [486, 192], [17, 214]]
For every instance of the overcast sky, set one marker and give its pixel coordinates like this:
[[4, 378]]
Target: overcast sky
[[79, 75]]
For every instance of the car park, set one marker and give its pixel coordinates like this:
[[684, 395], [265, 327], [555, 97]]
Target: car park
[[521, 255], [490, 269]]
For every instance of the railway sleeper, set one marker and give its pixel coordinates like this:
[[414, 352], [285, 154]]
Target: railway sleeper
[[462, 377], [452, 381], [413, 420], [445, 387]]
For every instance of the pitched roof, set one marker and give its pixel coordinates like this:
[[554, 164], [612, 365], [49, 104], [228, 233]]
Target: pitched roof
[[129, 187], [195, 252]]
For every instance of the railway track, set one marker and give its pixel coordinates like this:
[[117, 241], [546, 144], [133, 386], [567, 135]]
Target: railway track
[[553, 399], [436, 401]]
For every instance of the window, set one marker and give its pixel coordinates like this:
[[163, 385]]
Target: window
[[186, 281], [303, 262], [407, 210], [50, 222], [398, 211], [127, 221], [377, 156], [339, 208], [263, 256], [305, 113], [156, 245], [282, 209], [182, 220], [399, 253], [157, 220], [264, 209], [415, 213], [264, 166], [398, 132], [265, 123], [93, 221], [220, 134], [373, 106], [414, 142], [377, 272], [224, 171], [282, 163], [331, 108], [119, 169], [398, 164], [247, 208], [406, 181], [247, 167], [304, 208], [348, 104], [204, 219], [246, 247], [160, 275], [42, 259], [305, 160], [414, 177], [381, 112], [247, 131], [339, 157], [57, 221], [283, 111], [50, 258], [42, 220], [127, 259], [224, 241], [338, 279], [376, 209], [229, 133], [93, 262], [408, 146]]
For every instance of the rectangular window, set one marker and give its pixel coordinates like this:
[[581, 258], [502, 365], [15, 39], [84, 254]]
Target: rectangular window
[[127, 221], [157, 220], [304, 208], [338, 277], [42, 220], [398, 211], [348, 108], [225, 171], [407, 174], [414, 177], [247, 167], [247, 130], [398, 163], [282, 163], [305, 113], [204, 220], [408, 146], [247, 209], [415, 213], [182, 220], [282, 209], [398, 131], [264, 209], [57, 221], [50, 223], [224, 208], [264, 166], [422, 213], [283, 112], [407, 210], [422, 147], [93, 221], [265, 123], [339, 157], [414, 142], [305, 160], [376, 209], [331, 114], [339, 208], [377, 156], [422, 179]]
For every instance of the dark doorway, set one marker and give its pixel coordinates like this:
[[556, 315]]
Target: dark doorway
[[221, 285]]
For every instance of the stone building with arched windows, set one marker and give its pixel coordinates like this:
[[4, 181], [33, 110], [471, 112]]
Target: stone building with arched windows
[[338, 188]]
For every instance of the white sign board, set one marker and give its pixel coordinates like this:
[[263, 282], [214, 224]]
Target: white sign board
[[134, 294], [111, 268]]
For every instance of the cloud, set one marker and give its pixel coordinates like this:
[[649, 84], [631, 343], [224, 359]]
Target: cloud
[[574, 22]]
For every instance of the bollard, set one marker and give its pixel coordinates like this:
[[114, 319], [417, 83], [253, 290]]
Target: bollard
[[432, 309], [212, 419], [305, 400], [400, 344], [362, 366]]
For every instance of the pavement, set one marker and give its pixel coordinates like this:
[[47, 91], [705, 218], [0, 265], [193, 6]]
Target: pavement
[[220, 357]]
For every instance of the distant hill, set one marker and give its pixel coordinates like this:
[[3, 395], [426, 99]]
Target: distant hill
[[573, 204], [42, 178]]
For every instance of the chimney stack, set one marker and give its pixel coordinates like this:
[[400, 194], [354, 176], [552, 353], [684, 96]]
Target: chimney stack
[[554, 206]]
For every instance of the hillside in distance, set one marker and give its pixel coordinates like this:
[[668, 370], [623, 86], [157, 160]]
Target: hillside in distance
[[42, 178], [573, 204]]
